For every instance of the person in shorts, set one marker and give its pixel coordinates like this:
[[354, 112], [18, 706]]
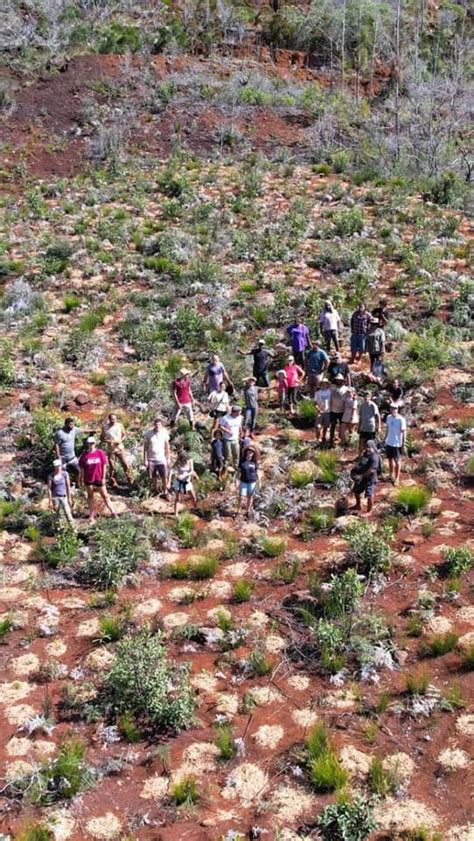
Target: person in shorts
[[336, 406], [250, 404], [365, 476], [395, 441], [156, 456], [248, 479], [369, 421], [317, 362], [113, 434], [183, 474], [294, 377], [59, 492], [218, 454], [231, 426], [350, 417], [219, 402], [93, 473], [322, 398], [65, 447], [183, 396]]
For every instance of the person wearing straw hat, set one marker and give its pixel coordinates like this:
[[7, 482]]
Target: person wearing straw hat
[[93, 472], [59, 492], [183, 396], [250, 403]]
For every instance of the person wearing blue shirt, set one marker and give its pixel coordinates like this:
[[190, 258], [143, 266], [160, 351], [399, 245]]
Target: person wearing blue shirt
[[317, 362]]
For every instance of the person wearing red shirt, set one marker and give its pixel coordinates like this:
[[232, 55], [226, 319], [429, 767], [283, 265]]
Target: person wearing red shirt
[[294, 377], [92, 473], [183, 396]]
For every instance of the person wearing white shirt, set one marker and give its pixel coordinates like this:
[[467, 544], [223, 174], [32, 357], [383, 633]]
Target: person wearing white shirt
[[331, 324], [219, 402], [395, 441], [231, 426], [322, 398], [156, 455]]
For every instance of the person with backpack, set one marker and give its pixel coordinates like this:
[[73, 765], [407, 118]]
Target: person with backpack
[[375, 340], [365, 476]]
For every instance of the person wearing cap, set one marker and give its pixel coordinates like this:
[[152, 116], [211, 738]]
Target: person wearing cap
[[375, 340], [365, 475], [219, 401], [59, 492], [215, 374], [322, 399], [331, 325], [231, 426], [113, 434], [93, 472], [156, 456], [339, 392], [338, 366], [183, 396], [360, 322], [369, 421], [395, 441], [261, 360], [250, 403], [317, 362], [300, 339], [294, 377], [282, 388], [248, 468], [65, 446]]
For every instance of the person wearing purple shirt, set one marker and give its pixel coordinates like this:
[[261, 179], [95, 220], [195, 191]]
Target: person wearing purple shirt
[[300, 340], [215, 374]]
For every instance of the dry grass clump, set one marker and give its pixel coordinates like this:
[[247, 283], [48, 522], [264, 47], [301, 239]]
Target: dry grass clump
[[245, 783]]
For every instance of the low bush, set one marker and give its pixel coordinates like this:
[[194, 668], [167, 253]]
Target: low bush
[[457, 561], [467, 658], [302, 476], [287, 571], [6, 625], [347, 821], [128, 728], [58, 779], [417, 684], [327, 467], [145, 683], [324, 770], [306, 413], [185, 791], [185, 529], [382, 781], [348, 222], [112, 628], [272, 546], [439, 644], [242, 590], [196, 568], [35, 832], [62, 551], [321, 519], [410, 499], [116, 549], [259, 664], [225, 742], [368, 548]]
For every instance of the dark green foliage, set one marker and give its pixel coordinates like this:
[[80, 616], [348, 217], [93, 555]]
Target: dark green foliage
[[6, 626], [225, 741], [62, 551], [242, 590], [59, 779], [457, 561], [411, 498], [368, 548], [129, 730], [117, 547], [144, 683], [35, 832], [324, 770], [347, 821], [185, 792], [119, 37]]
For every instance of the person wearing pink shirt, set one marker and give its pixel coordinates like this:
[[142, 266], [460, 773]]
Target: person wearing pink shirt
[[93, 470], [294, 377]]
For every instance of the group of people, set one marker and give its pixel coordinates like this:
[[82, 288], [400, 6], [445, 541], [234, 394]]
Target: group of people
[[328, 380]]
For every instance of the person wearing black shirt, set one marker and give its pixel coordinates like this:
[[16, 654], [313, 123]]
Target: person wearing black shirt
[[337, 366], [261, 360], [381, 312], [365, 476], [248, 479]]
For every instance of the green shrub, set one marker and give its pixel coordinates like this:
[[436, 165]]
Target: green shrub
[[417, 684], [326, 774], [259, 663], [119, 37], [381, 781], [272, 546], [117, 548], [302, 476], [203, 567], [288, 570], [185, 792], [367, 547], [429, 349], [185, 529], [327, 467], [457, 561], [128, 728], [439, 644], [317, 741], [112, 628], [321, 519], [306, 413], [62, 551], [6, 626], [70, 303], [347, 821], [348, 222], [242, 590], [225, 742], [410, 499], [143, 682], [35, 832], [467, 658], [7, 370], [58, 779]]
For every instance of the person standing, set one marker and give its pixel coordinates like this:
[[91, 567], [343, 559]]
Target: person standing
[[218, 455], [215, 375], [59, 492], [261, 360], [350, 417], [375, 341], [65, 446], [248, 479], [300, 339], [336, 405], [250, 404], [93, 472], [317, 362], [365, 475], [113, 434], [381, 312], [395, 441], [231, 426], [369, 421], [183, 396], [360, 321], [282, 388], [219, 402], [184, 474], [338, 366], [322, 398], [331, 325], [294, 377], [156, 456]]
